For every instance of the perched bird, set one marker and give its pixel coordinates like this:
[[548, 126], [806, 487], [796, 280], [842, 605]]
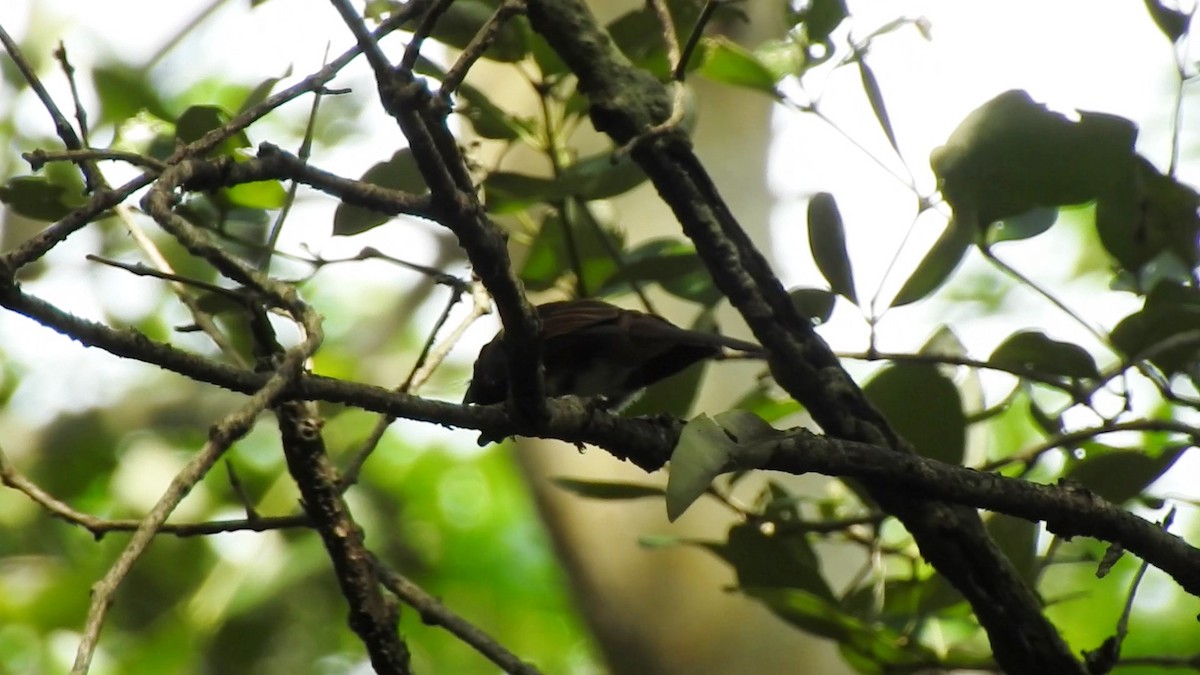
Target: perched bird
[[593, 349]]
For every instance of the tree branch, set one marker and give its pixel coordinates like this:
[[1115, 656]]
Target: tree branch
[[624, 103]]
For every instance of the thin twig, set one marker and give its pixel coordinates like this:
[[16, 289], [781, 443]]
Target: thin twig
[[422, 32], [240, 490], [221, 436], [80, 112], [99, 527], [434, 613], [62, 126], [478, 45], [685, 55], [37, 158], [1032, 454], [142, 270], [303, 154], [480, 306]]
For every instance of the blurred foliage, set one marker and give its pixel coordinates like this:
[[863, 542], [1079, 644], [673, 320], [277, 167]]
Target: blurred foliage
[[460, 522]]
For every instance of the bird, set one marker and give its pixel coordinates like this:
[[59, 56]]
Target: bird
[[594, 349]]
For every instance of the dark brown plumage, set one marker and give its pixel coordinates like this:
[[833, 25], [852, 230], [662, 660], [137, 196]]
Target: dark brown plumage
[[592, 348]]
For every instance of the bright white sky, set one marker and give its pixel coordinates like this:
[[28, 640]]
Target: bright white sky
[[1090, 54]]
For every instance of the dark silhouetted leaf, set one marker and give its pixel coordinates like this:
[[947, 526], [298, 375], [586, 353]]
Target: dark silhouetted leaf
[[124, 92], [672, 396], [599, 177], [924, 406], [198, 120], [509, 192], [594, 489], [1018, 539], [1121, 475], [1032, 349], [262, 91], [816, 304], [864, 645], [1167, 329], [639, 33], [1172, 22], [398, 173], [1024, 226], [822, 17], [37, 198], [463, 19], [671, 263], [1147, 214], [938, 264], [1012, 155], [827, 238], [875, 97], [772, 561]]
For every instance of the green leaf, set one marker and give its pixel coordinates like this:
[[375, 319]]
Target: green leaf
[[937, 266], [654, 261], [1123, 474], [815, 304], [676, 394], [1033, 350], [672, 396], [549, 63], [639, 34], [764, 561], [398, 173], [784, 58], [671, 263], [263, 194], [488, 119], [924, 406], [808, 612], [37, 198], [124, 92], [1012, 155], [1170, 316], [874, 644], [827, 239], [1017, 538], [871, 86], [1172, 22], [262, 91], [703, 452], [548, 258], [1023, 226], [729, 63], [463, 19], [599, 177], [747, 429], [822, 17], [1146, 214], [510, 192], [770, 408], [198, 120], [608, 490]]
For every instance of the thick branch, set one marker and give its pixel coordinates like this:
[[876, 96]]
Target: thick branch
[[625, 103], [422, 118], [648, 443], [372, 617]]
